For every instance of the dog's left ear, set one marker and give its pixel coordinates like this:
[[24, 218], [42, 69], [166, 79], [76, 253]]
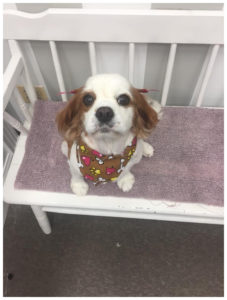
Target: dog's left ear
[[145, 117]]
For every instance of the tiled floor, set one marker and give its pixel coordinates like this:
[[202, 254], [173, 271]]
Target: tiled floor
[[96, 256]]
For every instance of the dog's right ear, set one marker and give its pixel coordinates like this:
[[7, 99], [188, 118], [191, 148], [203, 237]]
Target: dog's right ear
[[69, 120]]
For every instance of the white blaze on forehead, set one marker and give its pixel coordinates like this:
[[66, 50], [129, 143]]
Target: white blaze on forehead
[[108, 85]]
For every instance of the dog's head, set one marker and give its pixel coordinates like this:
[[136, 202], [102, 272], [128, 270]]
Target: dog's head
[[107, 105]]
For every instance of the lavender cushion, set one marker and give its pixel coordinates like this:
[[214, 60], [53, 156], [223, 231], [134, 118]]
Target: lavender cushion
[[187, 165]]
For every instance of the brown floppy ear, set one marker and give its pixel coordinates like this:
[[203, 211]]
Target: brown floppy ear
[[145, 117], [69, 120]]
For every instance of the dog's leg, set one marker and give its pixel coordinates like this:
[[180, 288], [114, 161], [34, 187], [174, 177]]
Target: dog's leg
[[148, 150], [64, 148], [78, 185], [126, 182]]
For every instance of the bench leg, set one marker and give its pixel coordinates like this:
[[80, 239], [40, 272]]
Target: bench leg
[[41, 217]]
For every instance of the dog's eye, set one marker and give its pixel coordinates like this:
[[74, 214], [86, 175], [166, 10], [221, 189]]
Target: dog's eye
[[88, 100], [123, 100]]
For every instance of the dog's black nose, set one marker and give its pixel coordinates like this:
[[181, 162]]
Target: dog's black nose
[[104, 114]]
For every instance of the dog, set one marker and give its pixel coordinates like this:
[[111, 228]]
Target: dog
[[104, 126]]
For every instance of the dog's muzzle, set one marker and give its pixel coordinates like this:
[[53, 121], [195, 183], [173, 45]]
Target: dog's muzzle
[[104, 114]]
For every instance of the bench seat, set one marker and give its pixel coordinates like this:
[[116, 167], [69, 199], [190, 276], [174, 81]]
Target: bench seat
[[183, 181]]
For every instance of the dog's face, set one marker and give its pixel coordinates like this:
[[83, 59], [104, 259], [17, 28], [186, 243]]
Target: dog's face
[[107, 105], [110, 108]]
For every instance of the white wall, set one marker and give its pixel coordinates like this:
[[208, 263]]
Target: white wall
[[38, 7], [150, 61], [187, 67], [190, 6]]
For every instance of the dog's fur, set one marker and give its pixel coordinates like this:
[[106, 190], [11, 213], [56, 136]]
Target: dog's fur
[[137, 118]]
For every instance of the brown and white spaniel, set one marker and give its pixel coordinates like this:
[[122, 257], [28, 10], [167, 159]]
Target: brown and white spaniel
[[104, 125]]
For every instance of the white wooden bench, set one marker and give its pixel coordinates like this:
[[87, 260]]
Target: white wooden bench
[[128, 26]]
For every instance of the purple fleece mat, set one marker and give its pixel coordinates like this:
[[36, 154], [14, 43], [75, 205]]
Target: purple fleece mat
[[187, 165]]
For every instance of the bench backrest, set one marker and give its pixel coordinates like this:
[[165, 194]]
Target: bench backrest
[[103, 25]]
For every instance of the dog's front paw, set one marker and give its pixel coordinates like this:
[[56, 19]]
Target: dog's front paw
[[64, 148], [80, 188], [126, 182], [148, 150]]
